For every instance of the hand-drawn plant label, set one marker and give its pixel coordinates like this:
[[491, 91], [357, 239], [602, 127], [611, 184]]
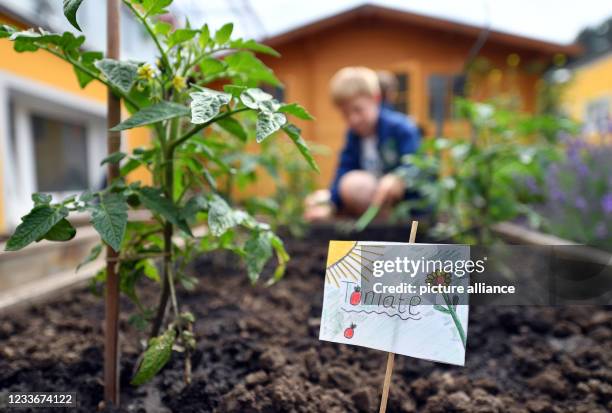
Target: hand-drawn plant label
[[409, 299]]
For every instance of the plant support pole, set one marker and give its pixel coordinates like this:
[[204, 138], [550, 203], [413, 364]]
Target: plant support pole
[[391, 356], [111, 332]]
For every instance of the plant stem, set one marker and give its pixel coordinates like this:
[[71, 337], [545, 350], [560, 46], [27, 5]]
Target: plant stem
[[453, 314], [149, 29], [167, 278], [91, 74]]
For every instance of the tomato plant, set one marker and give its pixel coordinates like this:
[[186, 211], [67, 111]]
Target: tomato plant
[[469, 185], [171, 98]]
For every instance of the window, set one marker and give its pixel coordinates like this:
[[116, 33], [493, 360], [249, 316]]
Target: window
[[442, 89], [60, 154], [402, 101], [597, 118], [439, 90], [56, 147]]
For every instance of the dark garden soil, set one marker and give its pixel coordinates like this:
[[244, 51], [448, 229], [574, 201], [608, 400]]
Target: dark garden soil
[[258, 351]]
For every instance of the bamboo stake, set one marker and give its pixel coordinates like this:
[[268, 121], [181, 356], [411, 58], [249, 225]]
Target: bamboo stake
[[111, 333], [391, 356]]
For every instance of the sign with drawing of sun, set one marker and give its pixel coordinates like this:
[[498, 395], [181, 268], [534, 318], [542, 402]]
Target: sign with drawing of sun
[[397, 297]]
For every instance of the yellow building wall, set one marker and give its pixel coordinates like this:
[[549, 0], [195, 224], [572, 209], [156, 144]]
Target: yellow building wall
[[45, 68], [590, 82]]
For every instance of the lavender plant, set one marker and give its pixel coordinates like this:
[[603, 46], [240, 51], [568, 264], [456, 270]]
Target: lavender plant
[[579, 194], [171, 98]]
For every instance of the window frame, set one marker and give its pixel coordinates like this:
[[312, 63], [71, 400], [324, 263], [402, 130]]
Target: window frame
[[17, 156]]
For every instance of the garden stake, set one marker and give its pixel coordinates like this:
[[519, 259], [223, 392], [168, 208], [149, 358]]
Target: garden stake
[[111, 342], [391, 356]]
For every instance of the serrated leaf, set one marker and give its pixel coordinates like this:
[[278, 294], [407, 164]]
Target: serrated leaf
[[41, 199], [155, 357], [70, 11], [35, 225], [295, 134], [234, 127], [296, 110], [258, 250], [224, 33], [206, 104], [93, 255], [62, 231], [120, 74], [194, 205], [204, 36], [267, 124], [221, 216], [253, 97], [234, 90], [113, 158], [180, 36], [154, 7], [247, 69], [109, 218], [211, 66], [87, 59], [152, 114], [254, 46], [155, 200]]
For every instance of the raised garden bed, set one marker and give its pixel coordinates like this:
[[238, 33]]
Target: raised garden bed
[[258, 350]]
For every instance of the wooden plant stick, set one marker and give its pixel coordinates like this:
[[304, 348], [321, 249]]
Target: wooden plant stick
[[391, 356], [111, 333]]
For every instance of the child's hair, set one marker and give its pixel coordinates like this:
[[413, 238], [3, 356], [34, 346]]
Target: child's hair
[[350, 82]]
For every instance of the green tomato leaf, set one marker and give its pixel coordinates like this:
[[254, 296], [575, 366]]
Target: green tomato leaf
[[221, 216], [35, 225], [247, 69], [267, 124], [296, 136], [155, 357], [93, 255], [252, 98], [87, 59], [113, 158], [41, 199], [180, 36], [222, 35], [296, 110], [155, 200], [258, 250], [109, 218], [152, 114], [254, 46], [121, 75], [234, 90], [70, 11], [154, 7], [62, 231], [234, 127], [206, 104]]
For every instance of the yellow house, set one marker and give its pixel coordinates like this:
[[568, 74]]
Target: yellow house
[[588, 97], [52, 132]]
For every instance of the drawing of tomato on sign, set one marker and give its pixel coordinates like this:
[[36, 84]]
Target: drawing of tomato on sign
[[355, 296], [350, 331]]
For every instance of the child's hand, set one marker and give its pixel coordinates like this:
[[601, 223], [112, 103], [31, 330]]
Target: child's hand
[[389, 190], [318, 206]]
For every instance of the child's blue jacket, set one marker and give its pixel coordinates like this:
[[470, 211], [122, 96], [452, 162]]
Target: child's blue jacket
[[397, 136]]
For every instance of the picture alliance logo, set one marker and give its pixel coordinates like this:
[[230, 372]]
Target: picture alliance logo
[[411, 267]]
